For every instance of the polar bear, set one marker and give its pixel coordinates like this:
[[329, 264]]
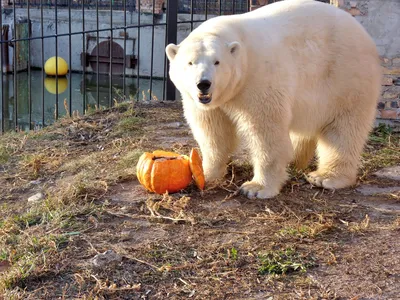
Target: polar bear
[[290, 79]]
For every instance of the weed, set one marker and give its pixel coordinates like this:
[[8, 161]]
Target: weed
[[30, 253], [4, 154], [358, 227], [283, 261], [311, 230], [88, 162], [301, 231], [381, 133], [128, 123], [28, 219], [3, 255], [93, 109], [130, 159], [234, 253], [34, 163]]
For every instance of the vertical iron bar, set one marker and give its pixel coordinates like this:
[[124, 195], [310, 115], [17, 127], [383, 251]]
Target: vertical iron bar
[[124, 58], [152, 54], [233, 7], [56, 38], [172, 21], [110, 100], [206, 9], [84, 57], [165, 62], [97, 55], [3, 100], [29, 67], [42, 39], [138, 52], [70, 57], [220, 7], [191, 15], [15, 68]]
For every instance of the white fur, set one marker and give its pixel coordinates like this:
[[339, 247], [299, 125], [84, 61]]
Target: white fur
[[294, 77]]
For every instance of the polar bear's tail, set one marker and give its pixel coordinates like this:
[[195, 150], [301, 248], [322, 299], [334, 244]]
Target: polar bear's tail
[[304, 150]]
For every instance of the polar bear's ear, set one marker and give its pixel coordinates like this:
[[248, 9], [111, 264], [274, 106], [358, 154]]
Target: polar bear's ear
[[234, 47], [171, 51]]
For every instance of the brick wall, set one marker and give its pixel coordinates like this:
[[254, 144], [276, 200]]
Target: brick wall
[[254, 4], [389, 104], [354, 7], [146, 6]]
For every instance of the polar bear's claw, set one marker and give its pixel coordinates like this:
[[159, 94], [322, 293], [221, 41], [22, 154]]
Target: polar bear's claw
[[330, 182]]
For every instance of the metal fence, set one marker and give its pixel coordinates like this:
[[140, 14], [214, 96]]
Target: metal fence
[[184, 6], [89, 4], [114, 50]]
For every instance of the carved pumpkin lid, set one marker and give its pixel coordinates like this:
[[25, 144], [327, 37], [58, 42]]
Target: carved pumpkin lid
[[196, 168]]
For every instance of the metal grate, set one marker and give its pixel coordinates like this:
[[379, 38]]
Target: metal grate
[[89, 4], [213, 7], [114, 51]]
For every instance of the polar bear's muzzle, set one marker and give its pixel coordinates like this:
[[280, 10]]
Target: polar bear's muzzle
[[204, 95], [204, 98]]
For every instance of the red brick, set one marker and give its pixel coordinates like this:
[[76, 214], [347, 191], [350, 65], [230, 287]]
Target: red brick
[[390, 114], [391, 71], [354, 11], [146, 6]]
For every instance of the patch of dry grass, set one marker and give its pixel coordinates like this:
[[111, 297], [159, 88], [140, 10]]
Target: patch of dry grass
[[382, 150], [74, 178], [175, 246]]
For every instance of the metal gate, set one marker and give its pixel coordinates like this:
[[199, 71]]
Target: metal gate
[[114, 49]]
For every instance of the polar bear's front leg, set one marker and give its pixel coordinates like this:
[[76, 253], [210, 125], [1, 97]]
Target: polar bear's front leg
[[216, 137], [271, 151]]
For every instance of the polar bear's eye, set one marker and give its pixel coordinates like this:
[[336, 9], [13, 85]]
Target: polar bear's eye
[[190, 63], [216, 63]]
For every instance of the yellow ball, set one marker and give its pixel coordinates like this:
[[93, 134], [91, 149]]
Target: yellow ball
[[50, 66], [50, 83]]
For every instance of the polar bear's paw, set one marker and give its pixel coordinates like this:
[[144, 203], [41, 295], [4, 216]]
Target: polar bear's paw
[[214, 174], [329, 182], [252, 190]]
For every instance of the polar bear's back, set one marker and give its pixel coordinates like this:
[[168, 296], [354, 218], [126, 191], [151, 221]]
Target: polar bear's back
[[290, 19]]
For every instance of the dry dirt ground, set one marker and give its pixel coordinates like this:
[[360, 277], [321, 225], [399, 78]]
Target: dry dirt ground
[[95, 233]]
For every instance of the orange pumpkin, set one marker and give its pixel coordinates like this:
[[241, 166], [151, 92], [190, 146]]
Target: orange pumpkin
[[163, 171]]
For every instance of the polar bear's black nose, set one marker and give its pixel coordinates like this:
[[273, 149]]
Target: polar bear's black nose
[[204, 86]]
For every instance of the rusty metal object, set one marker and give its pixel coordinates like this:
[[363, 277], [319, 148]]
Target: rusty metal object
[[104, 54]]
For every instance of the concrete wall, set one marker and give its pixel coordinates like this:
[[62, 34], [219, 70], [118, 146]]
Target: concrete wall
[[381, 19], [132, 45]]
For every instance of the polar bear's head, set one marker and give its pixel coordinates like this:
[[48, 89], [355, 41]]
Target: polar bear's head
[[204, 69]]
